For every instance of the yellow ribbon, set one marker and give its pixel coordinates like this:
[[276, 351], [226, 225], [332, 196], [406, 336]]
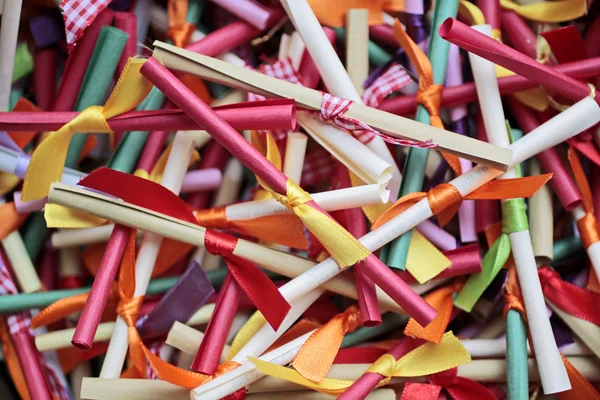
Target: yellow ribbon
[[343, 247], [548, 11], [427, 359], [48, 159], [246, 332]]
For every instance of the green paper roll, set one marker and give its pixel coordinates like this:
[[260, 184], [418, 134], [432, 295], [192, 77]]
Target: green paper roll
[[128, 151], [98, 76], [389, 322], [414, 170], [195, 11], [377, 55], [565, 248], [516, 357], [23, 65], [15, 95], [35, 235], [26, 301]]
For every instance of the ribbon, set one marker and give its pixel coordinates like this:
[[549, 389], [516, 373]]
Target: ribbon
[[457, 387], [572, 299], [587, 226], [392, 80], [444, 199], [580, 387], [317, 354], [48, 159], [64, 307], [513, 298], [429, 94], [12, 361], [11, 219], [333, 13], [553, 11], [441, 300], [426, 359]]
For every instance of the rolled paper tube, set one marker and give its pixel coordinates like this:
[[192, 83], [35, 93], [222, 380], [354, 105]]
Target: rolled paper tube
[[246, 373], [77, 63], [436, 235], [416, 162], [21, 263], [308, 70], [357, 40], [20, 302], [460, 34], [269, 114], [377, 55], [77, 237], [202, 179], [384, 34], [585, 330], [554, 375], [373, 267], [44, 77], [541, 223], [33, 373], [378, 394], [333, 73], [295, 150], [242, 78], [208, 355], [492, 13], [518, 33], [466, 93], [9, 30], [127, 22], [101, 288], [487, 212], [152, 150], [496, 348], [390, 322], [250, 11], [561, 182]]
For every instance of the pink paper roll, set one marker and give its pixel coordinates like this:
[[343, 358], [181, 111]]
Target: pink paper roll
[[213, 156], [202, 179], [44, 77], [437, 236], [384, 34], [516, 30], [250, 11], [35, 378]]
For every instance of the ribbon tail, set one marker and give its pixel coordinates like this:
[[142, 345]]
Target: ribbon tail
[[441, 300], [492, 262], [260, 289], [510, 188], [581, 387], [420, 391], [59, 310]]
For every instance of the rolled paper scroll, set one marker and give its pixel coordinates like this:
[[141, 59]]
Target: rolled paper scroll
[[540, 221], [250, 11], [11, 15], [241, 78]]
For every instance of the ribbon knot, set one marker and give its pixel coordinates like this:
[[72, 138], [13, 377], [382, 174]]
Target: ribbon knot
[[444, 200], [295, 196], [430, 97], [226, 367], [181, 34], [316, 355], [587, 226], [219, 244], [129, 309]]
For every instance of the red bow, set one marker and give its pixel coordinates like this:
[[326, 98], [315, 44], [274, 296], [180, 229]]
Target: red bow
[[457, 387]]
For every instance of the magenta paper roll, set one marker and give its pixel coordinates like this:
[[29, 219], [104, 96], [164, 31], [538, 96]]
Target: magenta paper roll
[[202, 179], [250, 11], [436, 235], [35, 378]]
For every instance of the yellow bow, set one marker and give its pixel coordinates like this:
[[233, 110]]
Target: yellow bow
[[427, 359], [48, 159]]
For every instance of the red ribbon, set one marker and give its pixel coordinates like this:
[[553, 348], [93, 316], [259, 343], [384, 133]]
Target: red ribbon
[[457, 387], [572, 299]]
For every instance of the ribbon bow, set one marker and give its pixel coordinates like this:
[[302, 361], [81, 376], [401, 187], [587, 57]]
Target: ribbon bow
[[429, 94], [317, 354], [425, 360], [587, 225], [442, 300], [180, 31], [457, 387], [48, 159]]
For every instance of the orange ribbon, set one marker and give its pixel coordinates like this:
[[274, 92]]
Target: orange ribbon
[[580, 387], [284, 229], [180, 31], [11, 219], [442, 300], [587, 226], [429, 94], [317, 354], [62, 308], [444, 199]]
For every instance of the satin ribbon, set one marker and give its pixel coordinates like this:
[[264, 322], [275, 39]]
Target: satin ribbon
[[457, 387], [587, 226], [62, 308], [425, 360], [48, 159], [442, 300], [548, 11], [11, 219], [333, 13], [429, 94], [580, 387], [179, 31], [572, 299], [317, 354], [444, 199], [12, 361]]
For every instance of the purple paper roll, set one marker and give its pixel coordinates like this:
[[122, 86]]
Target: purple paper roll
[[436, 235], [202, 180], [190, 293]]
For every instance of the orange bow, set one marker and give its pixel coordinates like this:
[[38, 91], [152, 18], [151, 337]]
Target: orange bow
[[283, 229], [430, 94], [442, 300], [317, 354], [588, 227], [444, 199]]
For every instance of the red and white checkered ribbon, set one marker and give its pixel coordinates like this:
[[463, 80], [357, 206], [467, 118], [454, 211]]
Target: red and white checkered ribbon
[[283, 70], [21, 323], [319, 166], [392, 80], [333, 109], [78, 15]]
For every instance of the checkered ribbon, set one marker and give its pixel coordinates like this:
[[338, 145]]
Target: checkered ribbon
[[78, 15], [318, 166], [392, 80], [21, 323], [333, 109], [283, 70]]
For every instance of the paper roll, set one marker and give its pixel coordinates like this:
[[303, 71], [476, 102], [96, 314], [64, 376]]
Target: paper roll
[[541, 221]]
